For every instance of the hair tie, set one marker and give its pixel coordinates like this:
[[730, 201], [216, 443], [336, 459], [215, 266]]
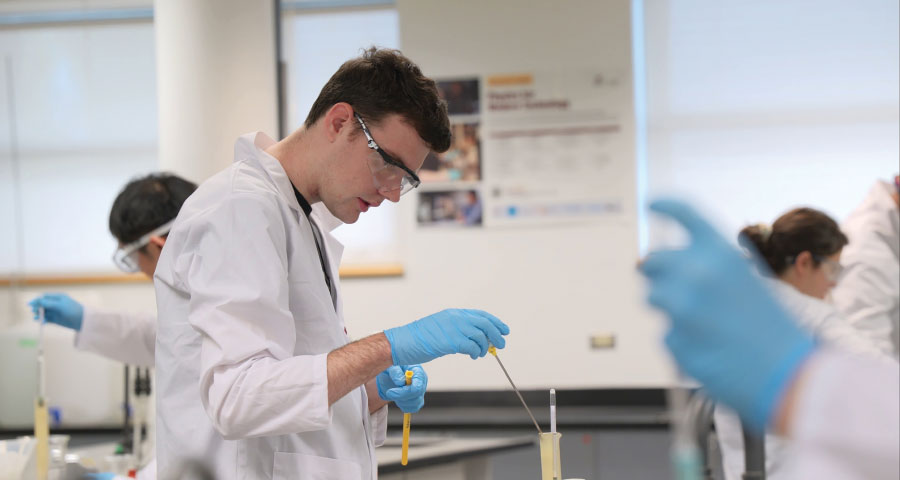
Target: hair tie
[[765, 230]]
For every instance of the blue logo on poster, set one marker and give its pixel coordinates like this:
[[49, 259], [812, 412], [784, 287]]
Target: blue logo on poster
[[511, 211]]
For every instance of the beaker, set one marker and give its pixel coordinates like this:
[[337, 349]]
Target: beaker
[[59, 445]]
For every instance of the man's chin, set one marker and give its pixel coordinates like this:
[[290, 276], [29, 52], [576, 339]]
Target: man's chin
[[349, 218]]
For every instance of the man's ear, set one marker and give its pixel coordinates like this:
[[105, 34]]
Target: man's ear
[[337, 118], [158, 241]]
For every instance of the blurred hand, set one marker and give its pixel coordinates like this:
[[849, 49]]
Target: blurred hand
[[60, 309], [444, 333], [727, 331], [392, 387]]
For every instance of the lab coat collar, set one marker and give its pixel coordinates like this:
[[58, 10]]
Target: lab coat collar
[[881, 196], [253, 145]]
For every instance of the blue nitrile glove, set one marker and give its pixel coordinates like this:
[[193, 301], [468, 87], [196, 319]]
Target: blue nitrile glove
[[99, 476], [60, 309], [448, 331], [392, 387], [727, 331]]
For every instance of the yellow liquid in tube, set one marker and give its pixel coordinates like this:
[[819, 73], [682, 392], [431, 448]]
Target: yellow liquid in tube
[[42, 436], [549, 445]]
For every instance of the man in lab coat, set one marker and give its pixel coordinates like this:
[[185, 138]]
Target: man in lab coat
[[140, 219], [256, 374], [868, 292]]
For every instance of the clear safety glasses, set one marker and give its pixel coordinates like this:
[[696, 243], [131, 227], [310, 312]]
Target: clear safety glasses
[[126, 256], [390, 175], [832, 269]]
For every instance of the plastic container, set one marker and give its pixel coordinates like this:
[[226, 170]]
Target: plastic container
[[119, 464], [59, 446], [17, 459]]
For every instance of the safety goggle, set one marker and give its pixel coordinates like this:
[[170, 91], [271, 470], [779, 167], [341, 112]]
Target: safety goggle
[[833, 270], [390, 175], [126, 256]]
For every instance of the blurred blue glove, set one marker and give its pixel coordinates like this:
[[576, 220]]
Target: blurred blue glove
[[446, 332], [60, 309], [99, 476], [727, 331], [392, 387]]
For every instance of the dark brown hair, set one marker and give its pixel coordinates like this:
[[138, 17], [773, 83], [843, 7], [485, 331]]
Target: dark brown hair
[[381, 82], [147, 203], [797, 231]]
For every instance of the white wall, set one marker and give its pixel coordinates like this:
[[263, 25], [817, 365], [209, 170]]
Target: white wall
[[554, 286], [757, 107], [78, 117]]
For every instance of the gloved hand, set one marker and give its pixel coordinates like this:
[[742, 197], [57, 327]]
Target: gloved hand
[[392, 387], [99, 476], [60, 309], [448, 331], [727, 331]]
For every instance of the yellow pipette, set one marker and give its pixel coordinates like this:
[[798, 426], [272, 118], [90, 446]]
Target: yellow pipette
[[493, 351], [407, 417]]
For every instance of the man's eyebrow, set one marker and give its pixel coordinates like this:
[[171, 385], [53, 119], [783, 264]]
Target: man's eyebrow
[[394, 156]]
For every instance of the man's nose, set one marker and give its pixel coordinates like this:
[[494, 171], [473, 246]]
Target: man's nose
[[392, 195]]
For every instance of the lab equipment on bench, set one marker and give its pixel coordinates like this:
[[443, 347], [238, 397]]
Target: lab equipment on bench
[[551, 463], [685, 453], [41, 417]]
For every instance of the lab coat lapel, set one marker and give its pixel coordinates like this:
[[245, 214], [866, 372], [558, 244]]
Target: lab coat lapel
[[254, 144], [334, 249]]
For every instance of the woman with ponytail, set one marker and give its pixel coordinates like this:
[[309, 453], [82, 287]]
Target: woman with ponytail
[[801, 254], [802, 249]]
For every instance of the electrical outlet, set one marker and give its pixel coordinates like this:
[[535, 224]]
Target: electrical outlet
[[603, 341]]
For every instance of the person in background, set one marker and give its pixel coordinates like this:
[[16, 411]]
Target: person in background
[[868, 293], [140, 219], [257, 375], [802, 255], [471, 211], [727, 330]]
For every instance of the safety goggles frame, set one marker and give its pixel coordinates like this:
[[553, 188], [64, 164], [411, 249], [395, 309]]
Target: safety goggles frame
[[125, 257], [835, 268], [408, 181], [834, 271]]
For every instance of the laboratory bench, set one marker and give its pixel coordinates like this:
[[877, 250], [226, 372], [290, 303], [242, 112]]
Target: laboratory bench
[[632, 409], [446, 457], [443, 457], [487, 435]]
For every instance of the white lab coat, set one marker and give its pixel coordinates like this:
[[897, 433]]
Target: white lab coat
[[868, 292], [829, 326], [846, 423], [127, 338], [246, 322]]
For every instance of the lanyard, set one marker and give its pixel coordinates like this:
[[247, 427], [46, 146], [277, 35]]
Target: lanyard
[[320, 248]]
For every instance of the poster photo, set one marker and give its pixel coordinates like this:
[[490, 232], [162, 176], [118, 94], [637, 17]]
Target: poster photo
[[462, 162], [462, 96], [452, 208]]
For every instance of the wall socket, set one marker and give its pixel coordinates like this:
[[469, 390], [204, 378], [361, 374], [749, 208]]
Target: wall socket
[[603, 341]]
